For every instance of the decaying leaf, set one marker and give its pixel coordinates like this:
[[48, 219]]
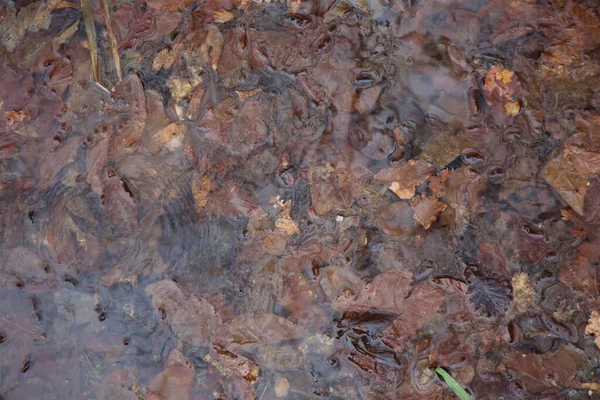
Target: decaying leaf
[[175, 382], [341, 286], [165, 59], [437, 183], [523, 292], [426, 209], [593, 327], [170, 138], [250, 93], [65, 35], [170, 5], [570, 171], [403, 179], [251, 330], [201, 188], [223, 16], [512, 108], [282, 387], [240, 371], [211, 48], [193, 320], [180, 87], [33, 17], [285, 221], [503, 87], [299, 199]]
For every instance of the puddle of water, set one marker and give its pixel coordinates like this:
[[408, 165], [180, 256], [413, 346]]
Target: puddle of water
[[299, 199]]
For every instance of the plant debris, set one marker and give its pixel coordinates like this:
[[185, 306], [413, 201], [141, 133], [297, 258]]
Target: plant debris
[[263, 200]]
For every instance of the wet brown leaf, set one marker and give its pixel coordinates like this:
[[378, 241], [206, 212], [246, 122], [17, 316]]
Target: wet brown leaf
[[504, 88], [397, 219], [282, 387], [241, 373], [210, 50], [169, 138], [570, 171], [341, 286], [34, 17], [121, 384], [581, 277], [170, 5], [223, 16], [403, 179], [285, 221], [175, 382], [192, 319], [329, 189], [426, 209], [384, 293], [244, 331], [523, 292], [424, 302]]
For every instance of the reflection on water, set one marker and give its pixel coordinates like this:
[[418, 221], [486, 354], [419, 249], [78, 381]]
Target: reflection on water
[[299, 199]]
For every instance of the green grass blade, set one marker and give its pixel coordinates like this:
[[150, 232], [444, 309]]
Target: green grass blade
[[454, 385]]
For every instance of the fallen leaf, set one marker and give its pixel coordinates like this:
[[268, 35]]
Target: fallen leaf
[[437, 183], [246, 331], [523, 292], [210, 50], [169, 5], [502, 87], [165, 59], [65, 35], [341, 286], [33, 17], [223, 16], [593, 327], [402, 192], [285, 221], [570, 171], [275, 243], [404, 178], [282, 386], [512, 108], [192, 319], [175, 382], [426, 209], [201, 188], [250, 93], [501, 82], [170, 138]]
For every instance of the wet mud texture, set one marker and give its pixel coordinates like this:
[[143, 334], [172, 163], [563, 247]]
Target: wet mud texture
[[300, 200]]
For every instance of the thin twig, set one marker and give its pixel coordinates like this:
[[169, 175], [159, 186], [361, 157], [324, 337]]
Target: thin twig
[[88, 19], [91, 365], [25, 329], [264, 390], [102, 87], [112, 39]]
